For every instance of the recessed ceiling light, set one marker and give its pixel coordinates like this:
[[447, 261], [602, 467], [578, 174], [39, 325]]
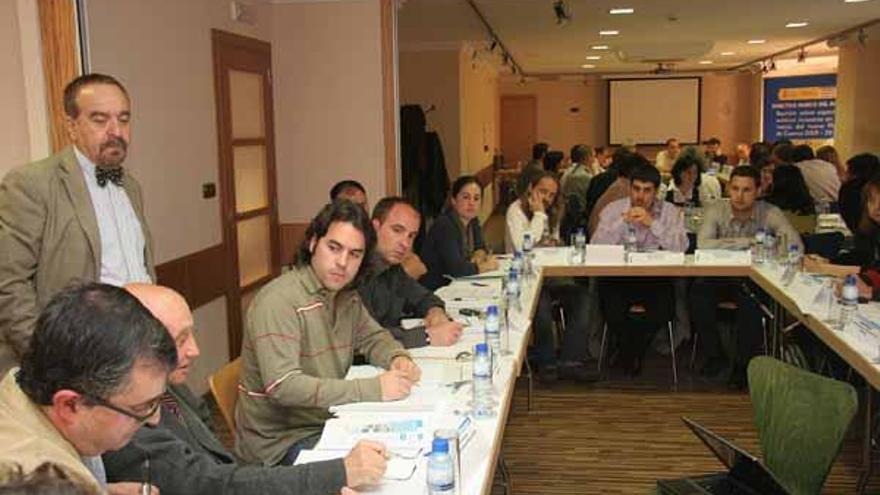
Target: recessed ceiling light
[[727, 54], [706, 62], [588, 66], [599, 47], [594, 57], [609, 32], [621, 11], [796, 24], [854, 1], [757, 42]]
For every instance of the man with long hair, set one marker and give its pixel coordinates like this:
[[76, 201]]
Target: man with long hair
[[301, 334]]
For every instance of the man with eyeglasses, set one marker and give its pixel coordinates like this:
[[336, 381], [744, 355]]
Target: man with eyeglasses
[[94, 373], [186, 456]]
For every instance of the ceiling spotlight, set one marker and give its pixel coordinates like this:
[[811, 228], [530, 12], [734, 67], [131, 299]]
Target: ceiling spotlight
[[522, 80], [757, 42], [802, 56], [493, 45], [562, 12], [863, 37], [796, 24], [599, 47], [772, 65]]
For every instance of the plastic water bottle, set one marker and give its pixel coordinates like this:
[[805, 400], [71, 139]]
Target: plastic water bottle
[[630, 242], [769, 247], [493, 331], [849, 301], [441, 472], [580, 246], [792, 264], [528, 256], [759, 245], [482, 382], [513, 289], [516, 264]]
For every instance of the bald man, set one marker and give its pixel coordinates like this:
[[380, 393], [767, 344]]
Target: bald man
[[186, 457]]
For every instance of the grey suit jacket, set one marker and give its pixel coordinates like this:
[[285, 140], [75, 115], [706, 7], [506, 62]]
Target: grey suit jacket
[[48, 239], [187, 459]]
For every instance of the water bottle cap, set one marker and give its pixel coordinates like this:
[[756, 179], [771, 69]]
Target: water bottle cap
[[440, 445], [492, 310], [527, 236], [481, 348], [850, 280], [517, 254], [794, 247]]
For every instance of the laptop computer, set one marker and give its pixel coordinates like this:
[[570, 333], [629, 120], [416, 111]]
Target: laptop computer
[[745, 476]]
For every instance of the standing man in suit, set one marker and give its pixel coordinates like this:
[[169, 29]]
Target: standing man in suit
[[73, 216]]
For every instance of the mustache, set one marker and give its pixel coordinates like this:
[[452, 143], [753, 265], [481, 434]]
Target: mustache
[[115, 142]]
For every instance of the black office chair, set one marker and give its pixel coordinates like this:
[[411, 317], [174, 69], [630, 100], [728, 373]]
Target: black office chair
[[826, 245]]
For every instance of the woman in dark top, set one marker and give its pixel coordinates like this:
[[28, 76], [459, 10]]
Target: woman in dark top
[[454, 246], [791, 195], [865, 260], [686, 176], [859, 169]]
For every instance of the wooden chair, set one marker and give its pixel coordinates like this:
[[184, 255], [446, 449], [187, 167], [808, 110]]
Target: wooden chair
[[224, 388]]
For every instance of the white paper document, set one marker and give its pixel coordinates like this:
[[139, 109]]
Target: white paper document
[[722, 257], [656, 258], [605, 254]]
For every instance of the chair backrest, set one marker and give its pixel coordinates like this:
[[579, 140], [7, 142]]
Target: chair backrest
[[224, 387], [802, 418], [827, 244]]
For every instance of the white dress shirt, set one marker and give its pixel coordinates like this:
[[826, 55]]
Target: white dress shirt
[[122, 238]]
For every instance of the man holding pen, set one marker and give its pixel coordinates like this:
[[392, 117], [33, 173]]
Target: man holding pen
[[301, 334]]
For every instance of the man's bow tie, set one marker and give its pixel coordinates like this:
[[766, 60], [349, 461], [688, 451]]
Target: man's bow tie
[[112, 174]]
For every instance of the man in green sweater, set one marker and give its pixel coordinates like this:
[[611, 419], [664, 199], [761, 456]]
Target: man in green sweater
[[301, 334]]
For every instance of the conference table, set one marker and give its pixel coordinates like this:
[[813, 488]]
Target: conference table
[[481, 454]]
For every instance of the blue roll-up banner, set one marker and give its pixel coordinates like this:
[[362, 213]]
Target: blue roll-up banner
[[799, 107]]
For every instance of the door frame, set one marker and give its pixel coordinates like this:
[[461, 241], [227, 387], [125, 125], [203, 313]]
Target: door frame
[[232, 51]]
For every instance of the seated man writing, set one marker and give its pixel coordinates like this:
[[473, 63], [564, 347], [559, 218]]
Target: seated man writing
[[185, 455], [94, 372], [390, 294], [301, 333]]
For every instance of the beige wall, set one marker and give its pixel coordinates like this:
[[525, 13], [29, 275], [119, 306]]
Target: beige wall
[[480, 118], [328, 101], [858, 98], [14, 134], [728, 110], [431, 77], [556, 124], [165, 61]]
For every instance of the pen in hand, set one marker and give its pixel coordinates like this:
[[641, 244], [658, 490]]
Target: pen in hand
[[147, 484]]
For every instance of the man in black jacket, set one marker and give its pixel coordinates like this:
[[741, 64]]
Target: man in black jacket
[[390, 294], [187, 458]]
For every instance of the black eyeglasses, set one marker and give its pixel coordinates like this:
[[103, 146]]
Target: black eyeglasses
[[140, 418]]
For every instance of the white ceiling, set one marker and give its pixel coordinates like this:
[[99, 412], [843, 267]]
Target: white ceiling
[[692, 30]]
